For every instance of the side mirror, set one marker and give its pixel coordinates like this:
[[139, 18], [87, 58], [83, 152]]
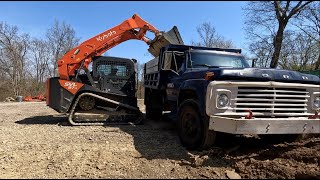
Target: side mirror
[[134, 60]]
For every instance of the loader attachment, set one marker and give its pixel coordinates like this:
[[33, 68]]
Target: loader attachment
[[170, 37]]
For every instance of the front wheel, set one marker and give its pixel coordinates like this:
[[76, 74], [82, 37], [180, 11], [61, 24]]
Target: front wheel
[[193, 128]]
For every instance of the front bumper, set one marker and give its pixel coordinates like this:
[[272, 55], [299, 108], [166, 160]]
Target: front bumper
[[294, 125]]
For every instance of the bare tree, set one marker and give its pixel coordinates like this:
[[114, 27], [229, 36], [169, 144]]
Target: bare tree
[[62, 38], [267, 21], [140, 79], [298, 53], [210, 38], [309, 23], [40, 59], [25, 64], [262, 50], [13, 56]]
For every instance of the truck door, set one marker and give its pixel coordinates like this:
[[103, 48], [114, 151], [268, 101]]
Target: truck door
[[174, 64]]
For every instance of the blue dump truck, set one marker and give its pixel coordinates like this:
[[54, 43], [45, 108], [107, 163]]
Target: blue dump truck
[[208, 91]]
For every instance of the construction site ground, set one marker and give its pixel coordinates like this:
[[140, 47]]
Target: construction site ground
[[37, 142]]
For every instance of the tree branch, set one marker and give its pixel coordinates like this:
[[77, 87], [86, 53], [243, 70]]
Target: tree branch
[[298, 8]]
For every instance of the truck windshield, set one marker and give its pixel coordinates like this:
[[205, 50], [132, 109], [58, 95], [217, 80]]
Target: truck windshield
[[213, 60]]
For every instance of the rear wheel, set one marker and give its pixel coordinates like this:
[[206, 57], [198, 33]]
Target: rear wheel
[[193, 128]]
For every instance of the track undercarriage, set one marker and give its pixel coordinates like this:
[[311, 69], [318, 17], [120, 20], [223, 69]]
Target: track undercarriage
[[92, 109]]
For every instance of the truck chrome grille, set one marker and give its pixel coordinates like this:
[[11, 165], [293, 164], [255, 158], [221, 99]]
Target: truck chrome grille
[[271, 100]]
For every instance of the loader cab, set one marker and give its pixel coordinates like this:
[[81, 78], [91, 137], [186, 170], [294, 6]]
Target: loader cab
[[115, 75]]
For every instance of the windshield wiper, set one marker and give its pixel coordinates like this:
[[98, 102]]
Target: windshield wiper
[[209, 66]]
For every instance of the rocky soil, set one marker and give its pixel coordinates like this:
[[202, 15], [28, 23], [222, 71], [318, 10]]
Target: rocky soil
[[37, 142]]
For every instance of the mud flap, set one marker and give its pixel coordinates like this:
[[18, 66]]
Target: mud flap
[[170, 37]]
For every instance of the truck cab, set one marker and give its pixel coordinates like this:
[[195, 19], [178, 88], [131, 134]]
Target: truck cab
[[214, 90]]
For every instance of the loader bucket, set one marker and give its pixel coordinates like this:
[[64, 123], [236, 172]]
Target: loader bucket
[[170, 37]]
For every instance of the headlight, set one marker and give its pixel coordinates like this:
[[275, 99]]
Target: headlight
[[222, 100], [316, 102]]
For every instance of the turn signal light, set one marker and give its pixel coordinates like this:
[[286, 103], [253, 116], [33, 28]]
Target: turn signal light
[[209, 76]]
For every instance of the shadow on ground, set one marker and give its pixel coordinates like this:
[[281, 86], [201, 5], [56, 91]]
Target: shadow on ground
[[48, 119], [158, 139], [153, 140]]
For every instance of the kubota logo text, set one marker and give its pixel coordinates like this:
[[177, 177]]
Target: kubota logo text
[[104, 36], [70, 85]]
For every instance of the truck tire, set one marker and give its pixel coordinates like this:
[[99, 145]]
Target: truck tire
[[193, 127], [154, 114]]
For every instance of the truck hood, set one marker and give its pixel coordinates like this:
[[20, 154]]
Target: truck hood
[[254, 74]]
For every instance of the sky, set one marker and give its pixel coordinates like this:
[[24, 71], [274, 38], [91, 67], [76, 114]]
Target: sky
[[90, 18]]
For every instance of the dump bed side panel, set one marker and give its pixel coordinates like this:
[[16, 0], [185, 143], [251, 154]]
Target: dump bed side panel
[[152, 66]]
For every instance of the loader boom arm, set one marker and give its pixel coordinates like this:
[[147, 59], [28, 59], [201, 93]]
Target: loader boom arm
[[132, 28]]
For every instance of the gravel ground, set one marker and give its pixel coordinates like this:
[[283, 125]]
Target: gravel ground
[[37, 142]]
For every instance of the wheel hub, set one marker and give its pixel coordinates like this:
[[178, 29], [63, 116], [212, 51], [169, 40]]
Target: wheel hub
[[190, 125]]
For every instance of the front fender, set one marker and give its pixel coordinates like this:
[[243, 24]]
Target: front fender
[[199, 89]]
